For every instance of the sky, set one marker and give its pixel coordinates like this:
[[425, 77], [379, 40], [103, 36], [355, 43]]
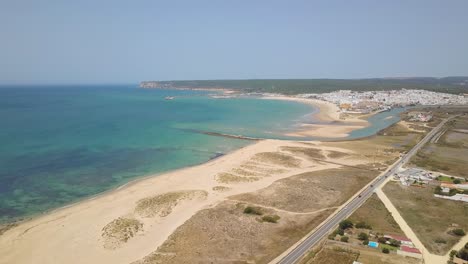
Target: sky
[[113, 41]]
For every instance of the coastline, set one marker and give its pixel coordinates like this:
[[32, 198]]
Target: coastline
[[331, 123], [77, 227]]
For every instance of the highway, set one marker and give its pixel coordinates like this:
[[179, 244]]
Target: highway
[[297, 253]]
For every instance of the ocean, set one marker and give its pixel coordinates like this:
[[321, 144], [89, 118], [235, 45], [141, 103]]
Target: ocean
[[61, 144]]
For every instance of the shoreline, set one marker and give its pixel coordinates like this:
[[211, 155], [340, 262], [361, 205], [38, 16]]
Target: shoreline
[[30, 238], [94, 213], [325, 112], [331, 123]]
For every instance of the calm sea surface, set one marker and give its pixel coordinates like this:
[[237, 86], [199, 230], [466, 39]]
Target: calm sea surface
[[61, 144]]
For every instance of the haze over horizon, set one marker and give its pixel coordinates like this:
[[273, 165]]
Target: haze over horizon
[[121, 42]]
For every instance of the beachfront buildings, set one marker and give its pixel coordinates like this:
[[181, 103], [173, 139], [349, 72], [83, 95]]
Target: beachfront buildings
[[365, 102]]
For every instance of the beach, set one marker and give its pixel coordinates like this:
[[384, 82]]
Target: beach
[[331, 123], [116, 227], [73, 234]]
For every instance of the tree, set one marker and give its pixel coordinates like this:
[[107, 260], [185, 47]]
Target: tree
[[466, 246], [363, 236], [456, 181], [346, 224], [453, 253], [458, 232], [365, 242], [463, 254], [385, 250], [339, 232], [438, 190], [395, 242], [382, 240], [344, 239]]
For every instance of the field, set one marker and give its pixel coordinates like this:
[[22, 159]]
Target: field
[[374, 213], [448, 152], [334, 255], [343, 253], [385, 147], [311, 191], [225, 234], [429, 217]]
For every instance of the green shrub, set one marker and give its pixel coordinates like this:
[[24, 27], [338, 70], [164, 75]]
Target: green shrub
[[253, 210], [344, 239], [456, 181], [440, 241], [463, 254], [365, 242], [385, 250], [382, 240], [458, 232], [270, 218], [395, 242], [363, 236], [346, 224]]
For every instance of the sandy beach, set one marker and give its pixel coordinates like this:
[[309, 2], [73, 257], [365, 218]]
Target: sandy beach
[[74, 234], [331, 125], [129, 223]]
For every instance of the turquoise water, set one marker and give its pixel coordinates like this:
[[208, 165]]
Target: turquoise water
[[377, 122], [61, 144]]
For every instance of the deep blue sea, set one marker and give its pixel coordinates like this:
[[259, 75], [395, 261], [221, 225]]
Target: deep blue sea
[[60, 144]]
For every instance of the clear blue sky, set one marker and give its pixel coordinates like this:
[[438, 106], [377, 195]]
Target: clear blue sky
[[112, 41]]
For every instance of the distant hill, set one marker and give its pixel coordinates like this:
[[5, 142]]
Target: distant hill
[[299, 86]]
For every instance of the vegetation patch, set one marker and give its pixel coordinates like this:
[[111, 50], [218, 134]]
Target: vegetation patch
[[311, 191], [120, 231], [313, 153], [271, 218], [335, 255], [232, 178], [253, 210], [277, 158], [163, 204], [221, 188], [224, 234]]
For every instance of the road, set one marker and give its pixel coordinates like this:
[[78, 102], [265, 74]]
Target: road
[[296, 254]]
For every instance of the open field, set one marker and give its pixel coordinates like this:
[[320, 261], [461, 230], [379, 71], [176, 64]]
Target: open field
[[336, 255], [385, 147], [311, 191], [429, 217], [225, 234], [343, 253], [374, 213], [447, 154]]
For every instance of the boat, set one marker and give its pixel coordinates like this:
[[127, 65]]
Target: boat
[[169, 98]]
